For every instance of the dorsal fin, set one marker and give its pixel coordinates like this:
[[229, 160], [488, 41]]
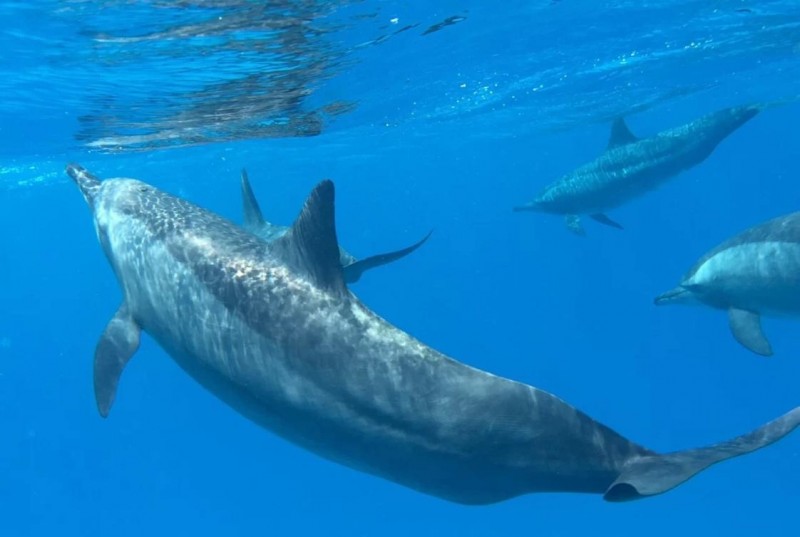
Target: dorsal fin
[[311, 245], [252, 212], [620, 134]]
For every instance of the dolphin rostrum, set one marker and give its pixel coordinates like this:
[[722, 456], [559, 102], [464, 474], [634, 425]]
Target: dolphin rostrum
[[630, 167], [754, 273], [352, 268], [272, 330]]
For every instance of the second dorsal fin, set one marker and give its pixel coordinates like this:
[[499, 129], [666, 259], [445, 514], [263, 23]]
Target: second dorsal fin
[[620, 134], [311, 246], [252, 212]]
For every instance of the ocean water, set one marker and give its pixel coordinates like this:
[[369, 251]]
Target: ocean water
[[420, 127]]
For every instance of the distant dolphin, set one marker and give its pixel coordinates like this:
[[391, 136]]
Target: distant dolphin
[[353, 268], [271, 329], [630, 167], [756, 272]]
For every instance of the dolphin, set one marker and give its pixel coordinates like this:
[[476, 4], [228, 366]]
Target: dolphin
[[353, 268], [630, 167], [754, 273], [272, 330]]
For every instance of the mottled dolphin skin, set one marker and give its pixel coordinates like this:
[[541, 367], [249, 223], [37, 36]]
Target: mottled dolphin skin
[[631, 167], [271, 329], [352, 268], [755, 273]]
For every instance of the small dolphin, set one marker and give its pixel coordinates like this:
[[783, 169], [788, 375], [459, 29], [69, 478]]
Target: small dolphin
[[755, 273], [353, 268], [272, 330], [630, 167]]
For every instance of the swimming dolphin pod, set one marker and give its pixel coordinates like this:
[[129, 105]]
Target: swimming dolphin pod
[[271, 329], [754, 273], [353, 268], [631, 167]]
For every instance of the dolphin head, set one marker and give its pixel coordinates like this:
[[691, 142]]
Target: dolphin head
[[739, 115], [111, 198], [88, 184], [539, 205], [719, 125], [679, 295]]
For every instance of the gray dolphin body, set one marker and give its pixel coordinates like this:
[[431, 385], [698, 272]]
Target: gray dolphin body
[[272, 330], [630, 167], [756, 272], [352, 268]]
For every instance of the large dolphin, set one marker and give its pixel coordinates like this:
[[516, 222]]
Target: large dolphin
[[271, 329], [630, 166], [756, 272], [352, 268]]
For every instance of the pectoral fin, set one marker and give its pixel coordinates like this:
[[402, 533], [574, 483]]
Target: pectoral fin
[[605, 220], [573, 223], [746, 328], [116, 346]]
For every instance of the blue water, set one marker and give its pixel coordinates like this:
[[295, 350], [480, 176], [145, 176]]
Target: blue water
[[448, 131]]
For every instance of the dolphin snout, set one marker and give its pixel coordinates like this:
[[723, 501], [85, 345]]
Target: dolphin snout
[[88, 183], [531, 206], [679, 294]]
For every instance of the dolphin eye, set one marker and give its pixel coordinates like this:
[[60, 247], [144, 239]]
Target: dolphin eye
[[142, 189]]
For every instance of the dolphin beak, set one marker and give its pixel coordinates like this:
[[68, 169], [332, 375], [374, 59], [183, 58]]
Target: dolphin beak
[[679, 294], [532, 206], [88, 183]]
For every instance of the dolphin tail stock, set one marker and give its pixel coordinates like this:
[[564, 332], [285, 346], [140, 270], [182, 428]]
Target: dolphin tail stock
[[252, 212], [353, 271], [650, 475]]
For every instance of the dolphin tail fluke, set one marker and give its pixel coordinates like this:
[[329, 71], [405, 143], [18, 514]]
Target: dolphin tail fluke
[[252, 212], [654, 474], [353, 271], [116, 347]]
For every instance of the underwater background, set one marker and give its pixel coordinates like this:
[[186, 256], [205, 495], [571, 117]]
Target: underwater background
[[427, 115]]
